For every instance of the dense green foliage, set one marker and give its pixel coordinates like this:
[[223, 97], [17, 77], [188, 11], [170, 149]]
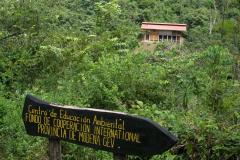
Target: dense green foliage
[[86, 53]]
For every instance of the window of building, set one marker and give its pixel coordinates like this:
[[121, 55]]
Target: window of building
[[169, 38], [160, 37], [174, 38], [165, 37], [147, 37]]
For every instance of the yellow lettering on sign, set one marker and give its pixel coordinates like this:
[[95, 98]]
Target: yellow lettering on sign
[[117, 134], [65, 115], [96, 130], [89, 138], [48, 130], [132, 137], [36, 111], [118, 124], [32, 118], [71, 135], [63, 133], [108, 142]]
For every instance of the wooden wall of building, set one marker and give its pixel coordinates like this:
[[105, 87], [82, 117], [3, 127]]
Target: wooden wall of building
[[153, 35]]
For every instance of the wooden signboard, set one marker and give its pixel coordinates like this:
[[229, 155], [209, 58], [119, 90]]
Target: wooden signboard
[[100, 129]]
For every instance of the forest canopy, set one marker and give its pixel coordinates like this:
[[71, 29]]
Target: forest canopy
[[87, 53]]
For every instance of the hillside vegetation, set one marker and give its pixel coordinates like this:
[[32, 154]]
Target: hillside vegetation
[[86, 53]]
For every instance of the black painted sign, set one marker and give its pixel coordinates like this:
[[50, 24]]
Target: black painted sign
[[100, 129]]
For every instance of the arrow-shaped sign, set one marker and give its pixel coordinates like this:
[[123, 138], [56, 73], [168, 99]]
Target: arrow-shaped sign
[[100, 129]]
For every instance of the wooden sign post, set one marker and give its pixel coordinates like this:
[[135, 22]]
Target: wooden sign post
[[116, 132], [54, 149]]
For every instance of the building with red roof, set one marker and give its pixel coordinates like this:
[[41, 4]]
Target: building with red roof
[[160, 32]]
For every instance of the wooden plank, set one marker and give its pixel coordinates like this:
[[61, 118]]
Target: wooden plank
[[100, 129], [119, 156], [54, 149]]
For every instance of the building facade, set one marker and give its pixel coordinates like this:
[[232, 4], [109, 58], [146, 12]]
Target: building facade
[[160, 32]]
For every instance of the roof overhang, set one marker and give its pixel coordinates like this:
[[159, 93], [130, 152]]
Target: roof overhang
[[164, 26]]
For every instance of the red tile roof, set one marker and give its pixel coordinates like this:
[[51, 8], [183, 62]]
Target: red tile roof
[[163, 26]]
